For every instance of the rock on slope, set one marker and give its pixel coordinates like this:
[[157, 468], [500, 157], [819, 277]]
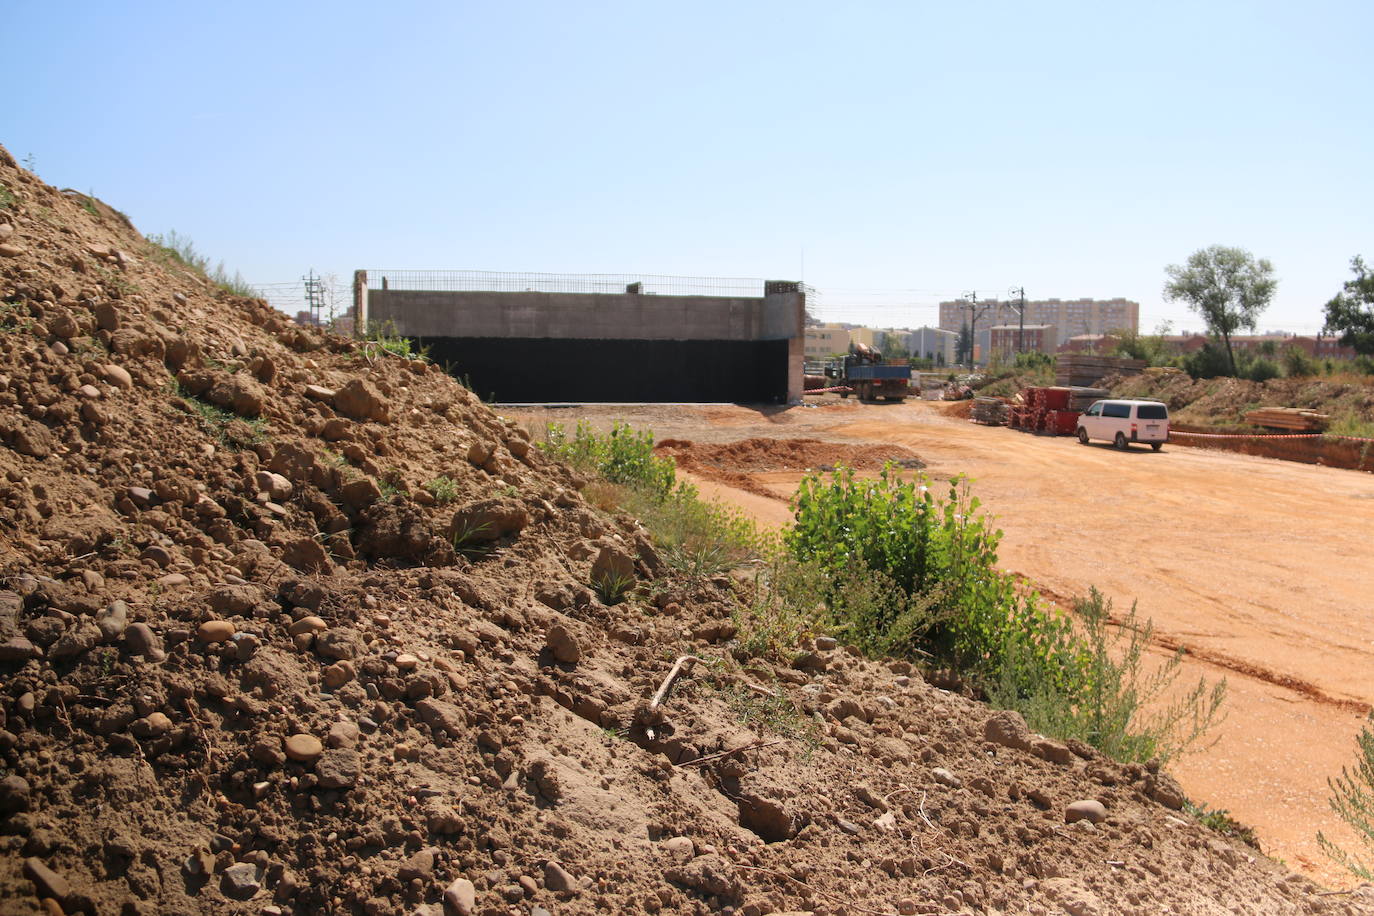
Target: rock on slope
[[249, 664]]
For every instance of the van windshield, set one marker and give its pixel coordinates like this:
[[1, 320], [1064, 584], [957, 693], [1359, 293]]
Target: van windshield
[[1152, 412]]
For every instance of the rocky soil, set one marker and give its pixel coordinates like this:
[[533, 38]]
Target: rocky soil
[[249, 663]]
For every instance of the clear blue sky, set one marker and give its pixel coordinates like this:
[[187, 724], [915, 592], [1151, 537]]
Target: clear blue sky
[[913, 151]]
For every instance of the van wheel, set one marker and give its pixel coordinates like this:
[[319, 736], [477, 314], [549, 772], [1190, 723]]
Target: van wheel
[[1082, 436], [1121, 441], [1156, 445]]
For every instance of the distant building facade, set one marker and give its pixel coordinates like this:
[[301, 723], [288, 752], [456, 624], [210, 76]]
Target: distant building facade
[[1069, 317], [1006, 340], [826, 340]]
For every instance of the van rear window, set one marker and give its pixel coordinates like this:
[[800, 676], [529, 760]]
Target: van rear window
[[1153, 412], [1116, 410]]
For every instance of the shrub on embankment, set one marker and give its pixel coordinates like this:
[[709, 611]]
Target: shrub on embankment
[[942, 599]]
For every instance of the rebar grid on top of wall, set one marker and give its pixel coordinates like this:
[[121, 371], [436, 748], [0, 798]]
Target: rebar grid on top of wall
[[498, 282]]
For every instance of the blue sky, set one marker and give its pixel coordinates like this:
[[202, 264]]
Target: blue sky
[[896, 154]]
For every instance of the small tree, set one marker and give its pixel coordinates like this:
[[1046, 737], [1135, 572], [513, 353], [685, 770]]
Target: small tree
[[963, 345], [1226, 286], [893, 349], [1352, 797], [1352, 312]]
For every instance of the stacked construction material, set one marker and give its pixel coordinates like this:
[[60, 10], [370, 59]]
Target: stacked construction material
[[990, 411], [1075, 369], [1049, 410], [1080, 399], [1290, 419]]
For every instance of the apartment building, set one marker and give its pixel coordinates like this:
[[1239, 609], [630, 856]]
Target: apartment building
[[934, 344], [825, 341], [1069, 317], [1006, 340]]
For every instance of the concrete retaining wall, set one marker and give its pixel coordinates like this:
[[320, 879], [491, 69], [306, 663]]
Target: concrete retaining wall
[[534, 346]]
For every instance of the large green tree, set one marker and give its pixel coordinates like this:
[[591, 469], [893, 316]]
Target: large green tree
[[1228, 287], [1351, 313], [963, 346]]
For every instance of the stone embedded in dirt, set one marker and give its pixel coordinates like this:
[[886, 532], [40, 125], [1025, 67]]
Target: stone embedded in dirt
[[767, 817], [487, 520], [420, 865], [212, 631], [1007, 728], [79, 640], [113, 620], [407, 662], [361, 401], [14, 794], [338, 674], [303, 748], [307, 555], [47, 882], [241, 881], [444, 717], [16, 650], [557, 879], [140, 639], [339, 643], [338, 768], [826, 643], [678, 848], [1053, 751], [708, 874], [1164, 789], [233, 599], [171, 581], [945, 778], [275, 486], [563, 645], [342, 734], [153, 725], [460, 898], [1089, 809], [319, 393], [359, 494], [308, 624]]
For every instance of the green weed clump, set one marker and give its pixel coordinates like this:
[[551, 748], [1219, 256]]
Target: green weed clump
[[443, 488], [174, 249], [1352, 798], [908, 574], [382, 337], [694, 537]]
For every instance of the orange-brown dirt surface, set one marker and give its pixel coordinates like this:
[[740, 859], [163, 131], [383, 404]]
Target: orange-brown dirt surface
[[250, 664], [1259, 568]]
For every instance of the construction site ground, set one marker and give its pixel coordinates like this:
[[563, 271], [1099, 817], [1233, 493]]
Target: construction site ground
[[1257, 567]]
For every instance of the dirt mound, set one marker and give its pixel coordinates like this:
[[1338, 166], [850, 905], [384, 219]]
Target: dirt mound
[[291, 624], [731, 463]]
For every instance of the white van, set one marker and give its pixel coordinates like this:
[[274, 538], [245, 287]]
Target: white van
[[1124, 422]]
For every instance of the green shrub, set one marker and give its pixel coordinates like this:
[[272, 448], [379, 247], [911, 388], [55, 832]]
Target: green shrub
[[1352, 798], [1111, 702], [444, 489], [1260, 369], [1297, 364], [622, 456], [382, 337], [908, 574], [174, 249], [695, 537]]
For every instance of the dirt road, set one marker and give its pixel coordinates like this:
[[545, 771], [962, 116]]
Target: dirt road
[[1260, 568]]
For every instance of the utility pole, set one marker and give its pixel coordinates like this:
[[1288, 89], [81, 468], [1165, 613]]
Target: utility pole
[[314, 298], [974, 312], [1021, 314]]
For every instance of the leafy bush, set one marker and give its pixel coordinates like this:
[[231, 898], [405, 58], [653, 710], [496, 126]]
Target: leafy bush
[[621, 456], [443, 488], [1112, 703], [905, 573], [1352, 797], [1208, 362], [695, 537], [1297, 364], [382, 337], [1260, 369]]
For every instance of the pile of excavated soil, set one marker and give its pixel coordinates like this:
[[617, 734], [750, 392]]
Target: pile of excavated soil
[[249, 663], [732, 463]]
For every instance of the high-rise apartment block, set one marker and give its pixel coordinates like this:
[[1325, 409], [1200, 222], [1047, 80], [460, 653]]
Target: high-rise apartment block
[[1070, 317]]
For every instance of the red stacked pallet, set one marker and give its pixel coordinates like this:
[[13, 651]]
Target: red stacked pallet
[[1062, 422]]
